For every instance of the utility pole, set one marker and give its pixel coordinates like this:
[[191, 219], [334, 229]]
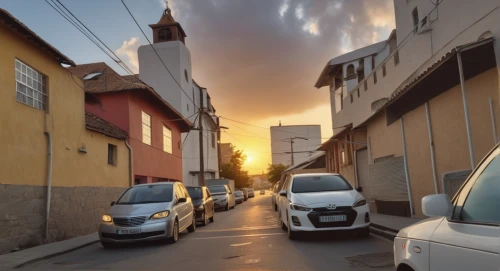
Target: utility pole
[[201, 176], [291, 145]]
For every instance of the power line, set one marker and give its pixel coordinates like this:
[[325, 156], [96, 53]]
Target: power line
[[129, 12]]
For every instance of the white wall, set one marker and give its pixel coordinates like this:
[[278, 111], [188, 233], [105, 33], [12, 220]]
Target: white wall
[[278, 147]]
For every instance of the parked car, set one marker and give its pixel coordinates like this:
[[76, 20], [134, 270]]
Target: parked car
[[223, 197], [239, 197], [251, 193], [462, 234], [245, 193], [148, 212], [274, 196], [203, 204], [321, 202], [262, 192]]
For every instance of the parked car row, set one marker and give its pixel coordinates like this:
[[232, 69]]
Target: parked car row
[[320, 202]]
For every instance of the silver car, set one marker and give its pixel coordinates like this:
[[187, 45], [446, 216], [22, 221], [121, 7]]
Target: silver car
[[148, 212], [223, 197]]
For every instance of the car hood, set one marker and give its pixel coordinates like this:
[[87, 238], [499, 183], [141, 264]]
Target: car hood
[[138, 209], [422, 230], [197, 202], [319, 199]]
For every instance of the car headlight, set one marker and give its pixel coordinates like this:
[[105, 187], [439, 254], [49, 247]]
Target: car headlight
[[160, 215], [300, 208], [107, 218], [359, 203], [200, 208]]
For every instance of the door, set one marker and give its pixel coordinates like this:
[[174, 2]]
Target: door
[[470, 239], [181, 207], [230, 197], [283, 201], [209, 203], [188, 205], [362, 171]]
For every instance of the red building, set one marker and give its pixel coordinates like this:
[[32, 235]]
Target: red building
[[153, 125]]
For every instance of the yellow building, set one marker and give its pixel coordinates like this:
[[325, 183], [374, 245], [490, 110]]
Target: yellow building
[[58, 162]]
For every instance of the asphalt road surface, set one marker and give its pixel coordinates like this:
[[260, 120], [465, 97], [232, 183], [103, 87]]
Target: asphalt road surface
[[246, 238]]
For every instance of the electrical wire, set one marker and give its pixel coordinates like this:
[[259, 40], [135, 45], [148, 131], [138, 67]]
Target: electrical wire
[[164, 65]]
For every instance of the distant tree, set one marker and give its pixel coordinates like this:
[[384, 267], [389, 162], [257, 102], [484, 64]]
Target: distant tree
[[274, 172], [233, 170]]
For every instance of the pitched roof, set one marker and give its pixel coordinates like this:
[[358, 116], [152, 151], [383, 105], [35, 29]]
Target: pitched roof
[[11, 22], [96, 124], [110, 81]]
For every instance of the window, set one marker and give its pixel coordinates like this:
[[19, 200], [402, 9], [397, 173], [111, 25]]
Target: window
[[146, 194], [31, 87], [342, 153], [178, 192], [92, 76], [396, 58], [384, 71], [167, 140], [213, 140], [146, 128], [414, 15], [366, 85], [311, 184], [352, 99], [187, 106], [165, 34], [350, 71], [374, 77], [112, 154], [483, 200], [186, 75], [357, 90]]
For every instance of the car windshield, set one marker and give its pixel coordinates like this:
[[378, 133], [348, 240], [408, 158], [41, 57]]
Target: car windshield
[[250, 189], [147, 194], [322, 183], [217, 189], [195, 192], [238, 193]]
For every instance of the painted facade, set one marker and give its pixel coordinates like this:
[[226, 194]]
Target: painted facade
[[83, 181], [414, 113]]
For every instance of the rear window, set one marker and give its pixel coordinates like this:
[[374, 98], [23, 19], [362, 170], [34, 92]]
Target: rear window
[[322, 183], [147, 194], [238, 193], [217, 189], [195, 192]]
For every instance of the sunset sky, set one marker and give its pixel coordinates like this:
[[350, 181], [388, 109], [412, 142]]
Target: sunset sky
[[259, 59]]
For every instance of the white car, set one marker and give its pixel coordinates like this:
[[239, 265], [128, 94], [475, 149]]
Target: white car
[[321, 202], [462, 234]]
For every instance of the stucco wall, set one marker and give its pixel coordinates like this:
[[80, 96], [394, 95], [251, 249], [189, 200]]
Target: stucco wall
[[383, 140]]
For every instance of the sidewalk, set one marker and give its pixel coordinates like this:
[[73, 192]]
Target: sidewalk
[[388, 226], [34, 254]]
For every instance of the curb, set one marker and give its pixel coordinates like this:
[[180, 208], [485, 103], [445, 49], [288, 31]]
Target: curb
[[45, 257], [384, 232]]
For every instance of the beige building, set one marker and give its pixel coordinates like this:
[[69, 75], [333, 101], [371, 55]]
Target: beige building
[[61, 166], [417, 121]]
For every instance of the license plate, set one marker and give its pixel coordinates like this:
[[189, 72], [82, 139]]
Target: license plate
[[332, 218], [129, 231]]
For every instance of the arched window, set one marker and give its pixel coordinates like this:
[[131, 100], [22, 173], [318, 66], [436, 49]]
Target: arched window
[[165, 34], [350, 70]]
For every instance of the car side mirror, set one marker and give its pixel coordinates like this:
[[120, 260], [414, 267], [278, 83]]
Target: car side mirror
[[437, 205], [283, 193], [113, 203], [182, 200], [359, 189]]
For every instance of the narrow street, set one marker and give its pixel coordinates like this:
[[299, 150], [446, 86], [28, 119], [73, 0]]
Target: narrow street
[[246, 238]]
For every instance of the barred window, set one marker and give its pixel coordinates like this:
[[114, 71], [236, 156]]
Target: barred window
[[146, 128], [167, 140], [31, 87]]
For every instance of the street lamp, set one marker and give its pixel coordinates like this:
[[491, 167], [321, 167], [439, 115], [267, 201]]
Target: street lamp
[[291, 144]]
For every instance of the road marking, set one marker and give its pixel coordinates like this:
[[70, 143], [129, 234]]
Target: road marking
[[242, 229], [234, 236], [239, 245]]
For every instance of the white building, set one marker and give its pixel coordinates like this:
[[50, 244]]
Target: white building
[[306, 139], [182, 92]]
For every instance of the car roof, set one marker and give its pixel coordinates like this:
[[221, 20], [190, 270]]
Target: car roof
[[193, 186], [314, 174], [155, 184]]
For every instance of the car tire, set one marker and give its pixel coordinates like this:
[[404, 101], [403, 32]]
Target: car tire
[[227, 207], [213, 215], [282, 224], [192, 227], [107, 245], [205, 219], [292, 235], [175, 233], [275, 207], [364, 233]]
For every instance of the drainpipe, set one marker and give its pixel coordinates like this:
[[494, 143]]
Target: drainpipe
[[431, 146], [407, 176], [356, 169], [466, 109], [130, 163], [49, 182], [493, 124]]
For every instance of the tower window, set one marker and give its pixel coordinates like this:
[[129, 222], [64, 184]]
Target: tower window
[[414, 15], [350, 71], [165, 34], [186, 75]]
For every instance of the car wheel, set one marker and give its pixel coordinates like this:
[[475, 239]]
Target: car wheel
[[282, 224], [192, 228], [107, 245], [364, 233], [275, 207], [292, 235], [227, 207], [205, 219], [213, 215], [175, 233]]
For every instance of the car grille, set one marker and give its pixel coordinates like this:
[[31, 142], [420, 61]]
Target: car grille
[[132, 236], [129, 221], [340, 210]]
